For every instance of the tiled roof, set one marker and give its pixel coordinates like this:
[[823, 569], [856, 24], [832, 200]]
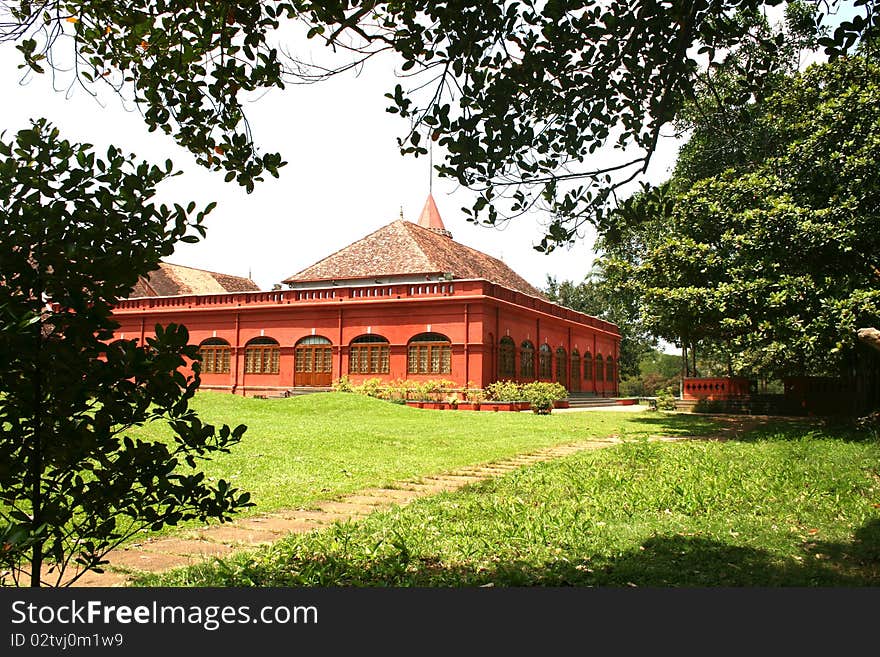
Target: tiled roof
[[402, 248], [172, 280]]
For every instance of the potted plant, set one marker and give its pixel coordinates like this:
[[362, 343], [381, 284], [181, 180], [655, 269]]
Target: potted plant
[[473, 400]]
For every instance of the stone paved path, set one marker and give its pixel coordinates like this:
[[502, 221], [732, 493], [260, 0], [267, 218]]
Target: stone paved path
[[190, 546]]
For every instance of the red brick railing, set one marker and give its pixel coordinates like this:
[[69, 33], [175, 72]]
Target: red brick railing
[[715, 388]]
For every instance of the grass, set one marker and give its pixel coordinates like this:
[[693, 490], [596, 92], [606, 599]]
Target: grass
[[787, 505], [304, 449]]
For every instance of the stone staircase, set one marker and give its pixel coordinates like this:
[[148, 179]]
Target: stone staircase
[[295, 392]]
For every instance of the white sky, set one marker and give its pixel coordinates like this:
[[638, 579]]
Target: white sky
[[344, 177]]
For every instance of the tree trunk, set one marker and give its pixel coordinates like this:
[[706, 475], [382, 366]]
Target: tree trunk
[[35, 462], [684, 367], [871, 337]]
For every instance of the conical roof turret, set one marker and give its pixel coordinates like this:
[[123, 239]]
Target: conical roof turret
[[430, 218]]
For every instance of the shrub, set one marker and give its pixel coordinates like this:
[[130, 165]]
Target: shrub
[[372, 388], [475, 395], [505, 391], [343, 384], [403, 389], [871, 424], [666, 400], [543, 395], [434, 389], [710, 406]]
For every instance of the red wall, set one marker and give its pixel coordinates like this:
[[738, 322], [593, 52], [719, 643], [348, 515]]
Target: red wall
[[474, 315]]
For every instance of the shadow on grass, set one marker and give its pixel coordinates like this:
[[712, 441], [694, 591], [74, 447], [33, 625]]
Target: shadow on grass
[[679, 424], [836, 428], [754, 429], [662, 561]]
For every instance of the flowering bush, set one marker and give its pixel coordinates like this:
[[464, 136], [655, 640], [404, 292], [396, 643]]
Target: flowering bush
[[372, 388], [475, 395], [401, 390], [342, 384], [505, 391], [541, 395], [435, 389]]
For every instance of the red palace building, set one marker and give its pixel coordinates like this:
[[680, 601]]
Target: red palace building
[[404, 302]]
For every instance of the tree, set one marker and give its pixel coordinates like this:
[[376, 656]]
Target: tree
[[657, 372], [523, 96], [773, 255], [594, 296], [721, 121], [76, 231]]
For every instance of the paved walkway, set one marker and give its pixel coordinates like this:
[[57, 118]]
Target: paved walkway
[[190, 546]]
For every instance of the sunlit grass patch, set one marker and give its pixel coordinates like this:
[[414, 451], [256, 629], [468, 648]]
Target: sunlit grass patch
[[315, 447], [792, 508]]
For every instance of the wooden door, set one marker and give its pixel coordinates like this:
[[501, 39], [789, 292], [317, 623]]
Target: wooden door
[[314, 365], [575, 374]]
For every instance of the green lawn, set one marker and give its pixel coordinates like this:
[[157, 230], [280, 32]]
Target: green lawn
[[786, 505], [316, 447]]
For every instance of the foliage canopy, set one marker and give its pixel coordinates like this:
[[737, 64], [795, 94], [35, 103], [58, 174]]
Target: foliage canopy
[[774, 254], [522, 96]]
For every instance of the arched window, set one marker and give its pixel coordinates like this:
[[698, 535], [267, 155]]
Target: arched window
[[313, 339], [575, 370], [588, 366], [429, 353], [527, 360], [545, 362], [506, 358], [313, 361], [261, 356], [609, 369], [561, 366], [214, 354], [369, 355], [600, 368]]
